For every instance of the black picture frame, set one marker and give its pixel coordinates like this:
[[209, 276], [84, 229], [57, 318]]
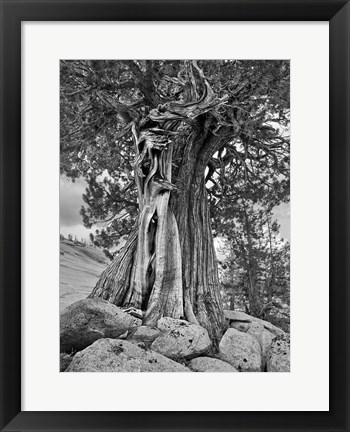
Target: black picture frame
[[13, 12]]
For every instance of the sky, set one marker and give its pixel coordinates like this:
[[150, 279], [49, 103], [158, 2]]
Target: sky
[[71, 201]]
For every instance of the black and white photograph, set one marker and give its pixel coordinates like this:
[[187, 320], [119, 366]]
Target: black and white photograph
[[175, 215]]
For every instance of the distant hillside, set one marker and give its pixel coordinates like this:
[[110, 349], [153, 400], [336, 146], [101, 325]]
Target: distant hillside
[[80, 268]]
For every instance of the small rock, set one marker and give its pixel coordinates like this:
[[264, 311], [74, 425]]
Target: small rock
[[263, 336], [114, 355], [136, 322], [240, 325], [124, 335], [144, 334], [181, 340], [209, 364], [272, 328], [241, 350], [233, 316], [255, 327], [85, 321], [137, 313], [278, 355], [167, 323]]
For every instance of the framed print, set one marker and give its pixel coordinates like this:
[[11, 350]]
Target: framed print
[[174, 219]]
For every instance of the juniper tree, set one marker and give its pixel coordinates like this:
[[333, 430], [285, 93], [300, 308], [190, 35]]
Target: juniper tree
[[151, 138]]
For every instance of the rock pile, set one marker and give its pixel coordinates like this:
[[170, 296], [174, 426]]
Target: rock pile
[[97, 336]]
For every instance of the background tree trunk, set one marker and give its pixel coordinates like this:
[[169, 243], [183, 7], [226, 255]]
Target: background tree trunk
[[253, 295]]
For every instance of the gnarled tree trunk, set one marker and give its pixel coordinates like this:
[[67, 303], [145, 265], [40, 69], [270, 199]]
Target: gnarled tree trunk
[[168, 266]]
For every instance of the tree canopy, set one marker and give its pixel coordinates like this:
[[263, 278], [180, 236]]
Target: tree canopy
[[101, 99]]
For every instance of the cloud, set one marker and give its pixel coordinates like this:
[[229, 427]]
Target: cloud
[[71, 201], [282, 214], [76, 230]]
